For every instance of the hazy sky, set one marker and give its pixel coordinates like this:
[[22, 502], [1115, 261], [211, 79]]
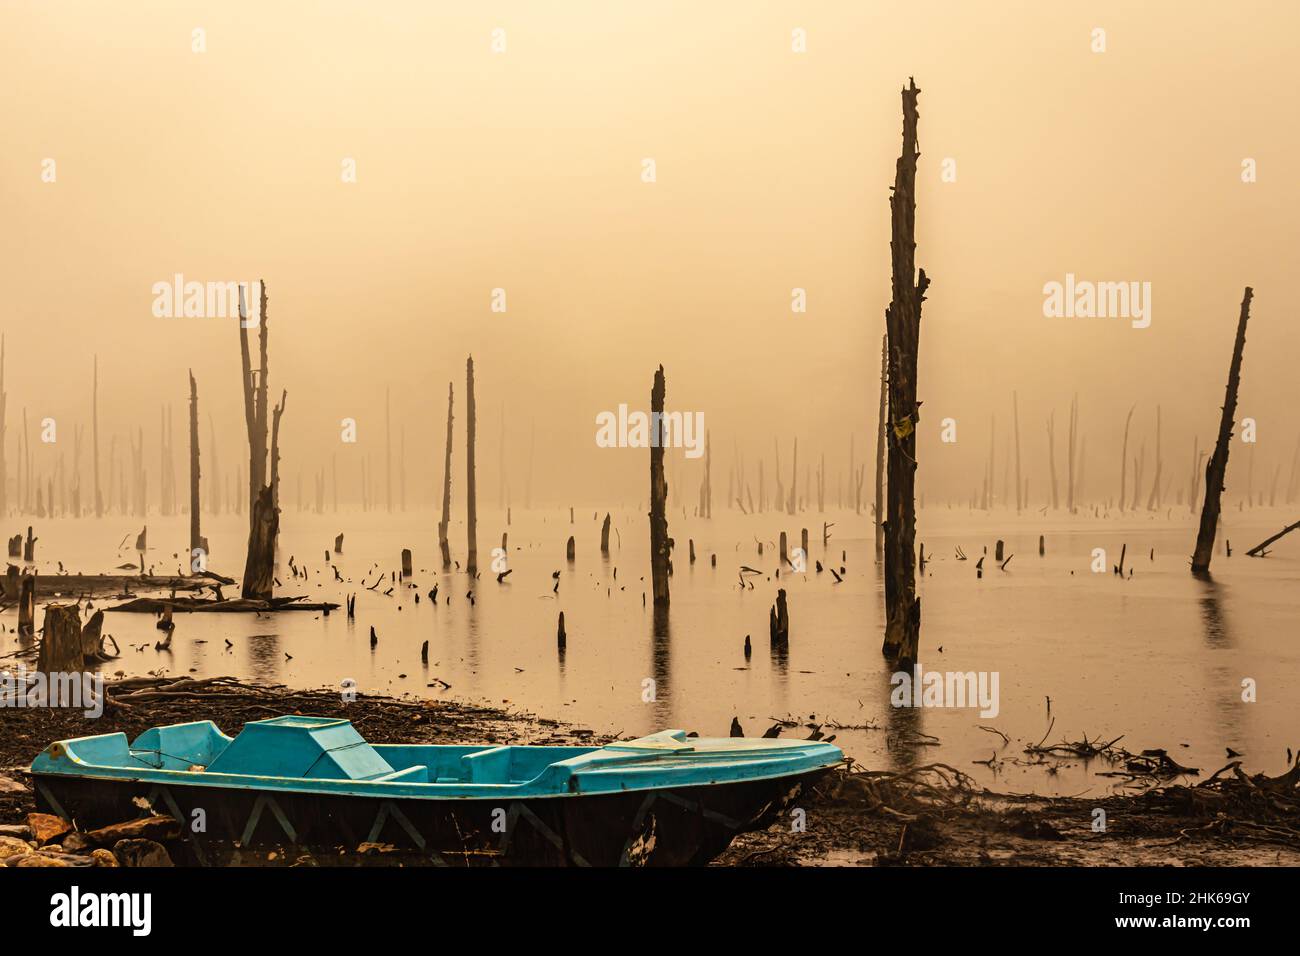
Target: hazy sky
[[522, 170]]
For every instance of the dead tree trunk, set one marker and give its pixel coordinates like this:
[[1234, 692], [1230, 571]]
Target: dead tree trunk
[[1123, 460], [388, 450], [881, 440], [198, 546], [4, 469], [1259, 552], [1071, 461], [604, 536], [1153, 500], [471, 507], [708, 476], [792, 501], [443, 546], [1015, 427], [60, 651], [660, 543], [1218, 463], [264, 495], [1051, 455], [94, 430], [903, 322], [27, 606]]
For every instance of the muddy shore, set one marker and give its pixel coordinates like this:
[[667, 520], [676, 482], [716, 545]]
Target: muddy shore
[[930, 816]]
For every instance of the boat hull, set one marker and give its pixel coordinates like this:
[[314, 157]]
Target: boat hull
[[681, 826]]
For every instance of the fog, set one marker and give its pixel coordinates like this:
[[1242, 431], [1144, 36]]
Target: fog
[[524, 169]]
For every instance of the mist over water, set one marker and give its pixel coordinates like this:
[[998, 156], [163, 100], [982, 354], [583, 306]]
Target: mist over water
[[1158, 657]]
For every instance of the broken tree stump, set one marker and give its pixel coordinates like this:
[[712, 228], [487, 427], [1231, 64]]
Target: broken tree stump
[[60, 650], [338, 545], [406, 562], [779, 621], [92, 636], [604, 535], [27, 606]]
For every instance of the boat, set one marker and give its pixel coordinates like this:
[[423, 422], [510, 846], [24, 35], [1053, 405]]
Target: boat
[[314, 784]]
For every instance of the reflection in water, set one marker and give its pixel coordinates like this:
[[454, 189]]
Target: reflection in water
[[661, 668], [905, 740], [1217, 633], [1222, 683], [264, 656]]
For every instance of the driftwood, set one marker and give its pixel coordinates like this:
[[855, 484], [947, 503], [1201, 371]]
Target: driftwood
[[1218, 463], [187, 605], [1259, 552]]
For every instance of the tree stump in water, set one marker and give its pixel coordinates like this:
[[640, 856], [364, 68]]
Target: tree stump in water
[[569, 549], [29, 546], [259, 569], [779, 621], [338, 545], [604, 536], [27, 606], [60, 650], [16, 546], [92, 636], [406, 562]]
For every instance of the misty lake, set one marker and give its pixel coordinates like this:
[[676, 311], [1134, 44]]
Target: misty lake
[[1159, 657]]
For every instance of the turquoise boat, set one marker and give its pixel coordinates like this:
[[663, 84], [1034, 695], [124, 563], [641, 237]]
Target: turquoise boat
[[314, 784]]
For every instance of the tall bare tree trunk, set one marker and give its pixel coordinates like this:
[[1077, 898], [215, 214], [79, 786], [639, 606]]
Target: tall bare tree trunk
[[1123, 460], [264, 496], [4, 469], [1015, 425], [903, 322], [1218, 463], [1153, 500], [443, 546], [94, 431], [792, 501], [197, 543], [882, 437], [1051, 455], [1071, 459], [388, 449], [471, 501], [660, 543]]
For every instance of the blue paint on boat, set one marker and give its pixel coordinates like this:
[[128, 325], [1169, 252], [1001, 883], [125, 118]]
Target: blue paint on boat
[[325, 755]]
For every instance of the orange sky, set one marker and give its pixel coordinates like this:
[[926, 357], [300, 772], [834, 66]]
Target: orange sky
[[522, 170]]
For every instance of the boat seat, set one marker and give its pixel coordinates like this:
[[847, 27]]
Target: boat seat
[[488, 766], [416, 774]]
